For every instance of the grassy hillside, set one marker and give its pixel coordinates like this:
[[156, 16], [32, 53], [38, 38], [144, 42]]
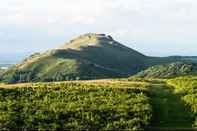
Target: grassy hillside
[[169, 70], [150, 104], [53, 68], [91, 56], [75, 106]]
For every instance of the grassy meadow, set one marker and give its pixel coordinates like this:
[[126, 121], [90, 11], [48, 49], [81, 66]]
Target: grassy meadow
[[128, 104]]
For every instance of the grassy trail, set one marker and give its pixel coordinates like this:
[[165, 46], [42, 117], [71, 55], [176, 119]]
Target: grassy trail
[[170, 112]]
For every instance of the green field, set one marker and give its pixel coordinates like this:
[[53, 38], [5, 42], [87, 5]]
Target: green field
[[134, 104], [75, 106]]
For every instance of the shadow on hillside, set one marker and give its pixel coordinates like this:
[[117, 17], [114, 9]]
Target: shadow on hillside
[[120, 60], [169, 110]]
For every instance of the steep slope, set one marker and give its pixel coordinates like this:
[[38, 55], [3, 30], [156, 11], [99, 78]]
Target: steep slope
[[169, 70], [90, 56]]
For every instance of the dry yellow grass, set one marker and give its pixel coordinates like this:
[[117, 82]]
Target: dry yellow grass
[[101, 82]]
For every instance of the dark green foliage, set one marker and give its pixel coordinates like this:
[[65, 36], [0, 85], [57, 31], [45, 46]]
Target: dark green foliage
[[169, 110], [173, 103], [169, 70], [191, 58], [74, 106], [187, 87], [100, 105], [8, 76]]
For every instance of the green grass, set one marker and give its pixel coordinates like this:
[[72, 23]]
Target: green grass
[[169, 109], [187, 87], [150, 104], [172, 108], [75, 106]]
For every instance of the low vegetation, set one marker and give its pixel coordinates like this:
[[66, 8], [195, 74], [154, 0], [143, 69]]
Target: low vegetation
[[187, 87], [169, 70], [75, 106], [173, 103], [135, 104]]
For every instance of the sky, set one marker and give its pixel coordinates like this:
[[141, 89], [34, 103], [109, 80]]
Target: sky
[[153, 27]]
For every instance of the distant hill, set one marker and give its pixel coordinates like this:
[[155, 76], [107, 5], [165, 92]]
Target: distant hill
[[185, 58], [90, 56], [169, 70], [191, 58]]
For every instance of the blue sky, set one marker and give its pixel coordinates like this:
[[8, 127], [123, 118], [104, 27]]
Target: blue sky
[[154, 27]]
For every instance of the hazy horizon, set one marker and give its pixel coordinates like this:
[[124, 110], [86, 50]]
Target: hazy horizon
[[154, 28]]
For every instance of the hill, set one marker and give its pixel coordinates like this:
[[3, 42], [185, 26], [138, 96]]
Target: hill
[[90, 56], [169, 70], [191, 58]]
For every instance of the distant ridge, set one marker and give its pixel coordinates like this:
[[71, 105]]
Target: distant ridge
[[89, 56], [171, 70]]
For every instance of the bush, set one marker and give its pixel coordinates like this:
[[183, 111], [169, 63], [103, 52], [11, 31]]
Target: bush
[[74, 106], [187, 87]]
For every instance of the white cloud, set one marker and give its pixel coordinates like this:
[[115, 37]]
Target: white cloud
[[68, 11], [91, 11], [151, 21]]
